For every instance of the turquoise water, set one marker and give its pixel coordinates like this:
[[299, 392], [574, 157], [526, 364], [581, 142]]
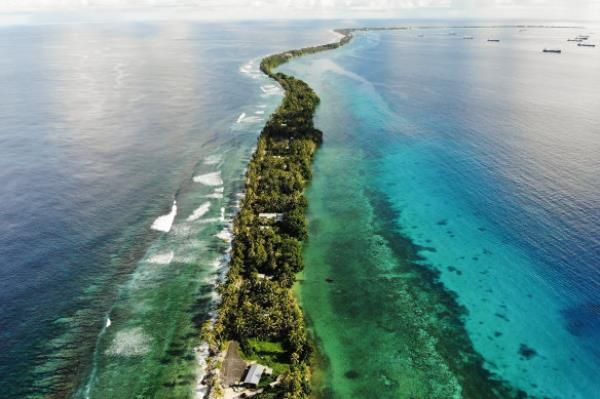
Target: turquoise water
[[103, 127], [454, 212]]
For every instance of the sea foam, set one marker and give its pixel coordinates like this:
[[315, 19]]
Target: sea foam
[[241, 117], [163, 258], [217, 193], [165, 222], [270, 90], [225, 235], [214, 195], [209, 179], [253, 119], [251, 70], [129, 342], [199, 212], [202, 353], [212, 160]]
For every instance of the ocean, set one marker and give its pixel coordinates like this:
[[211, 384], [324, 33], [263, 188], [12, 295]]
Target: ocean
[[123, 151], [454, 215]]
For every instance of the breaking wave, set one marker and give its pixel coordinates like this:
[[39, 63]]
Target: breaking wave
[[165, 222], [253, 119], [130, 342], [209, 179], [251, 69], [201, 352], [212, 160], [162, 258], [199, 212], [270, 90], [225, 235]]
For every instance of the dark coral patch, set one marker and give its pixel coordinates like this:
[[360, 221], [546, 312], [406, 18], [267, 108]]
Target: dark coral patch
[[351, 374], [527, 352], [501, 316]]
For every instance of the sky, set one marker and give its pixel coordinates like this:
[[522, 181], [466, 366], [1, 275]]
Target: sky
[[564, 10]]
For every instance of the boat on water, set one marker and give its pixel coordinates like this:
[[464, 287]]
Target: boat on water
[[586, 45], [468, 37], [574, 40], [494, 40], [552, 50]]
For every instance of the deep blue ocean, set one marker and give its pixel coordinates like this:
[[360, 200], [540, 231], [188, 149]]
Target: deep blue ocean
[[102, 127], [487, 155]]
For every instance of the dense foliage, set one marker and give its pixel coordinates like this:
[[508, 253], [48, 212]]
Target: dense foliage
[[257, 301]]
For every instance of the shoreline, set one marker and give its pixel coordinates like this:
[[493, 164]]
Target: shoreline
[[409, 299], [256, 255], [258, 307]]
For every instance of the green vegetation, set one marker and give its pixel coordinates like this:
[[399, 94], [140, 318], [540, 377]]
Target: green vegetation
[[268, 353], [258, 308]]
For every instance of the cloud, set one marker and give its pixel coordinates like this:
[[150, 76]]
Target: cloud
[[238, 9]]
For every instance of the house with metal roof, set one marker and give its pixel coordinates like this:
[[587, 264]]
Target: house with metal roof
[[254, 374], [278, 217]]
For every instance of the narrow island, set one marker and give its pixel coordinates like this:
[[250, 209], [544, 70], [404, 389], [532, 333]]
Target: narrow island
[[258, 342]]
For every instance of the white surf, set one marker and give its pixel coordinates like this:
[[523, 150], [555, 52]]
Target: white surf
[[209, 179], [199, 212], [165, 222]]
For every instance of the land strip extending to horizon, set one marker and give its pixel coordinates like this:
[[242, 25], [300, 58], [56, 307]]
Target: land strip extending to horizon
[[417, 224], [259, 313], [258, 309]]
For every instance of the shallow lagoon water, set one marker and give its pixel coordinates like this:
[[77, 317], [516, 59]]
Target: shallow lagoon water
[[455, 207]]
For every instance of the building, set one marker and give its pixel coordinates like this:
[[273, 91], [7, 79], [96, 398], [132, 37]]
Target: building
[[254, 374], [278, 217]]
